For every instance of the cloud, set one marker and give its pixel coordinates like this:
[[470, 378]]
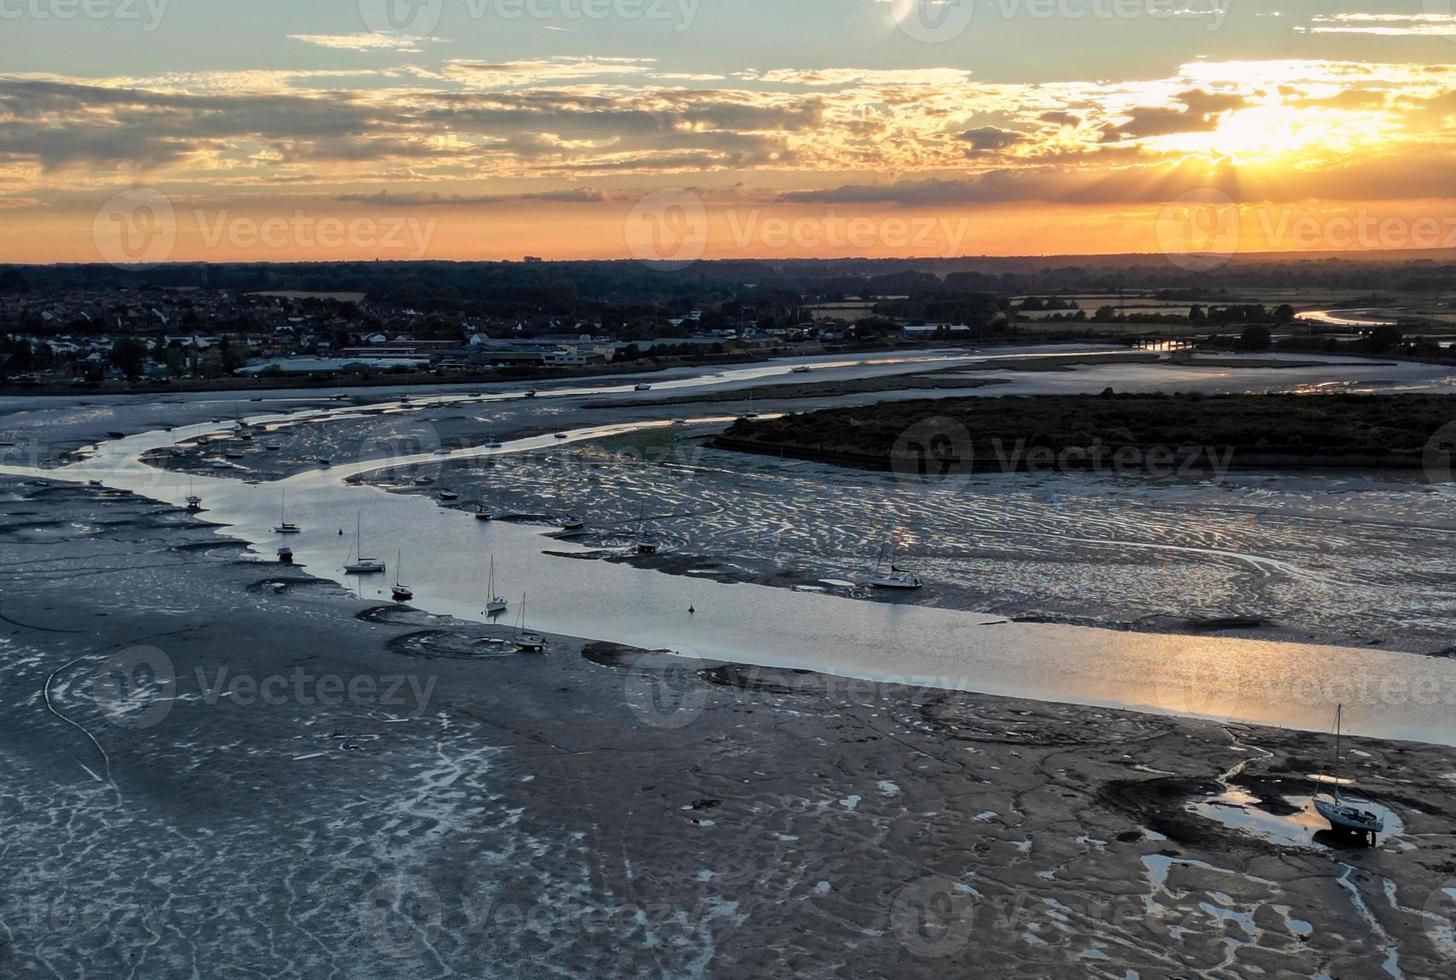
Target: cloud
[[989, 139], [1200, 113], [572, 195], [1442, 24], [365, 41]]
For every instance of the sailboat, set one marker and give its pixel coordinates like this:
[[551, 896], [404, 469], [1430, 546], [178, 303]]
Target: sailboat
[[401, 592], [494, 604], [526, 640], [646, 545], [896, 577], [361, 565], [1346, 814], [285, 527], [571, 523], [194, 502]]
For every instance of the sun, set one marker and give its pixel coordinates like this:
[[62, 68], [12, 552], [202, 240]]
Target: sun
[[1279, 133]]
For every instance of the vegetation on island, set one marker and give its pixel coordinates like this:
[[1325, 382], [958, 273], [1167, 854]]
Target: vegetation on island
[[1038, 432]]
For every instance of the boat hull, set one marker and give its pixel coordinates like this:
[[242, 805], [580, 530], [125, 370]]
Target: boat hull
[[1343, 816]]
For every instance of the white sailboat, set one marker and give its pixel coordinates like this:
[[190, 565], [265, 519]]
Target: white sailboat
[[285, 527], [194, 502], [525, 639], [896, 577], [361, 565], [1345, 814], [494, 604], [401, 592]]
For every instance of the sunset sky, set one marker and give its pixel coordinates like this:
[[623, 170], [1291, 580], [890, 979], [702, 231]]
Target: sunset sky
[[669, 129]]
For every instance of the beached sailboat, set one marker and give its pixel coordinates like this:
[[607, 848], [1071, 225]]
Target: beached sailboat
[[525, 639], [494, 604], [194, 502], [361, 565], [896, 577], [1346, 814], [646, 544], [401, 592], [285, 527]]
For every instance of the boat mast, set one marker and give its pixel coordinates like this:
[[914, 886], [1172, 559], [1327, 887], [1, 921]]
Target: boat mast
[[1339, 720]]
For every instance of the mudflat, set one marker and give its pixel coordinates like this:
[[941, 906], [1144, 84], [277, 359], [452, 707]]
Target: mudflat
[[220, 766]]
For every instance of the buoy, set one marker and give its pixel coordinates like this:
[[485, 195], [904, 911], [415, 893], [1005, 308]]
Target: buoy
[[691, 610]]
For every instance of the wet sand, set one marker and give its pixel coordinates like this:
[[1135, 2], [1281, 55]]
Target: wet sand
[[1349, 559], [455, 806]]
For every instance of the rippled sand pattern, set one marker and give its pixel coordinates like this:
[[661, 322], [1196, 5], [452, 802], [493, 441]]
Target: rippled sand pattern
[[1357, 559]]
